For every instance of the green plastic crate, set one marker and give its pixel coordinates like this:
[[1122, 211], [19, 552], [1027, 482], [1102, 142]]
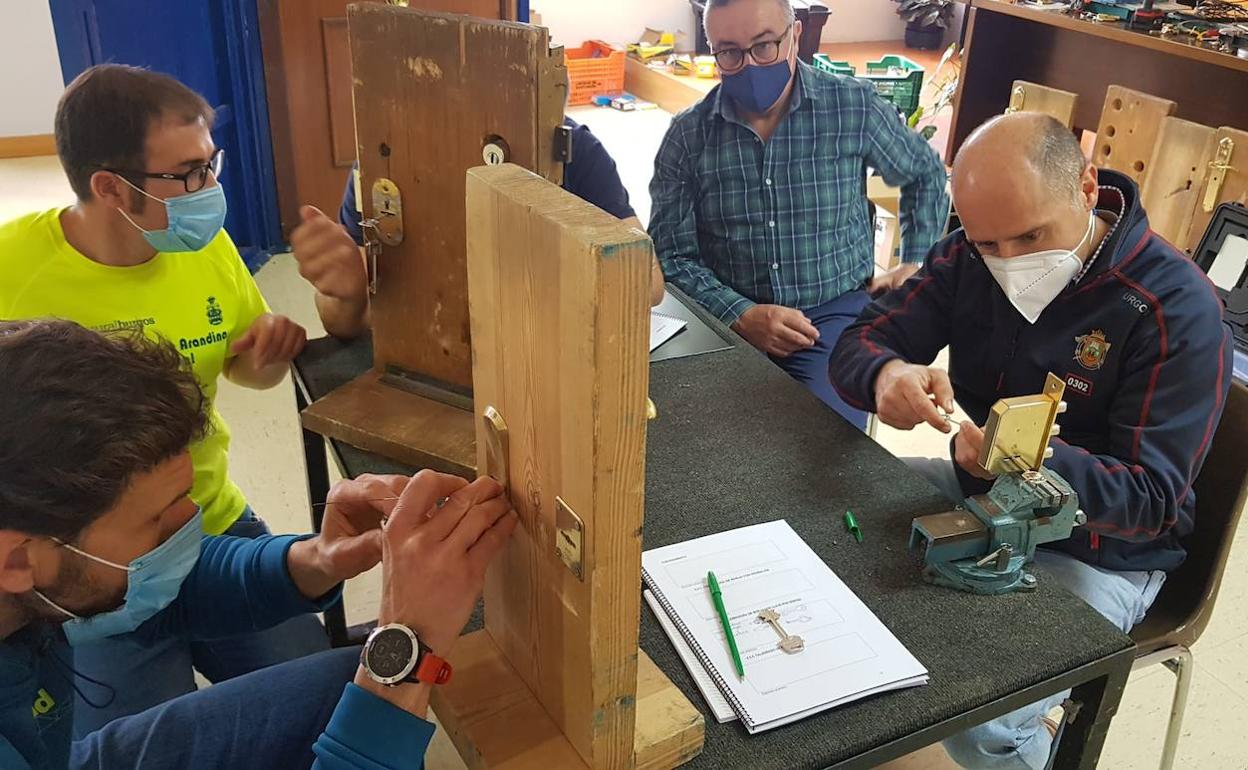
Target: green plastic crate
[[902, 90], [823, 62]]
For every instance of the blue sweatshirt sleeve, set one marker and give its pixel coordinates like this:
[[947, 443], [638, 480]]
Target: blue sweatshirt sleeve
[[911, 323], [238, 585], [1173, 387], [348, 216], [368, 733]]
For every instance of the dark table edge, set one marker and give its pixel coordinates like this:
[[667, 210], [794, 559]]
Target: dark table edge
[[1097, 687]]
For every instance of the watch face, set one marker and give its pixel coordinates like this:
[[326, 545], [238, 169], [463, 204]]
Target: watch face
[[390, 653]]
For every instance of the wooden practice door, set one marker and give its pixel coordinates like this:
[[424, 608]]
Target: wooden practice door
[[307, 64], [435, 95], [560, 323]]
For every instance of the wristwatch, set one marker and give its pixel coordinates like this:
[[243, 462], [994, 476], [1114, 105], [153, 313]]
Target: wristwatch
[[394, 655]]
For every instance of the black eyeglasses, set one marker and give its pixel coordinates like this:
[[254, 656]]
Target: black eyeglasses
[[193, 180], [765, 52]]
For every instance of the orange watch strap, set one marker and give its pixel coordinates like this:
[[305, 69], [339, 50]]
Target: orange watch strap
[[432, 670]]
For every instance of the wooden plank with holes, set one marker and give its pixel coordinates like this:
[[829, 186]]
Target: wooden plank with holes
[[1226, 181], [1176, 177], [1033, 97], [431, 91], [1128, 129], [558, 291]]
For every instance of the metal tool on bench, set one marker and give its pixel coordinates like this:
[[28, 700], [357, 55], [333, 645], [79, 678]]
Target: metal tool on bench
[[983, 545]]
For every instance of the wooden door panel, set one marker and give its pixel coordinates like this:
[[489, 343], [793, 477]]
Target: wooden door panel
[[308, 79], [430, 92]]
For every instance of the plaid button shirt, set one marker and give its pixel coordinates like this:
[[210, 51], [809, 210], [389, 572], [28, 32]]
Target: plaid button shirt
[[737, 221]]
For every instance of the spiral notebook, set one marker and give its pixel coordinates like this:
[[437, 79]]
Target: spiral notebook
[[663, 327], [849, 654]]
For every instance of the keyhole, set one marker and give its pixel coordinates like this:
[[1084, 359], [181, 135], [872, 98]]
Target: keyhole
[[494, 151]]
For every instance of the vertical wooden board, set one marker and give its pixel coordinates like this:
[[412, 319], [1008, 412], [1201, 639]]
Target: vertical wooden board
[[1234, 187], [338, 89], [558, 297], [1127, 131], [621, 353], [1176, 177], [431, 90], [1033, 97]]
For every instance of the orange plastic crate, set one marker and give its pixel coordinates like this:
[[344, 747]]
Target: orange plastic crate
[[594, 67]]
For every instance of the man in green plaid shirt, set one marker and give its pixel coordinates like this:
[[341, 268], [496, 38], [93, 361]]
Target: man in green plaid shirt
[[759, 194]]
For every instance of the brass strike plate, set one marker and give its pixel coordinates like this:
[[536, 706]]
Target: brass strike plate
[[1218, 169], [496, 446], [1017, 97], [569, 538], [388, 211], [1016, 437]]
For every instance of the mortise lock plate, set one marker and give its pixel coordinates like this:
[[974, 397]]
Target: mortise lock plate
[[1218, 168], [385, 228], [570, 538], [388, 211], [1017, 433]]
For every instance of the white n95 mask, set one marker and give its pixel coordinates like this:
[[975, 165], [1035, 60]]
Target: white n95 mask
[[1032, 281]]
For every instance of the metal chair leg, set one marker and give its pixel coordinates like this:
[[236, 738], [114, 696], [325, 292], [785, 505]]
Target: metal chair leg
[[1182, 667]]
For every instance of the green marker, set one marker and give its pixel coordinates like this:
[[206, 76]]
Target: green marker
[[718, 599], [851, 524]]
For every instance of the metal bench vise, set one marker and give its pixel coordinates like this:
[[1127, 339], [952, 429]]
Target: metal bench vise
[[983, 545]]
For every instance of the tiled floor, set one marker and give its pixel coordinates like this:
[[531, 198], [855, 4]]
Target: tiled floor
[[266, 460]]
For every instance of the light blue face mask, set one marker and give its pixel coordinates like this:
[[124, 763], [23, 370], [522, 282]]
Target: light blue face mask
[[153, 583], [194, 219]]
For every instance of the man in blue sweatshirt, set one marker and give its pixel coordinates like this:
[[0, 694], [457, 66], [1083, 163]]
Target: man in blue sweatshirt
[[98, 536], [1056, 270]]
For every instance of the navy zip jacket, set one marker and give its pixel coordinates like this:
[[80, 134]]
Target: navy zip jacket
[[238, 585], [1140, 342]]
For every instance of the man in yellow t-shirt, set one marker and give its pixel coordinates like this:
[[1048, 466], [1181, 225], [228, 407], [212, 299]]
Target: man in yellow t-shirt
[[143, 248]]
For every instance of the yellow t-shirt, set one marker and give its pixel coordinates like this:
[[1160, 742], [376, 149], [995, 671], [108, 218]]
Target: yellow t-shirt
[[200, 301]]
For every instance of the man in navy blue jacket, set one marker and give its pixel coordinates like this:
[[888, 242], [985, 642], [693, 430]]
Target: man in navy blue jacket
[[1056, 270], [98, 535]]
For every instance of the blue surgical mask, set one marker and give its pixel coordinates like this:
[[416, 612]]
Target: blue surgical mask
[[153, 583], [756, 88], [194, 219]]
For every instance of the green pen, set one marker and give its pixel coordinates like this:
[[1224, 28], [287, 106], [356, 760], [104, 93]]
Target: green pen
[[851, 524], [718, 598]]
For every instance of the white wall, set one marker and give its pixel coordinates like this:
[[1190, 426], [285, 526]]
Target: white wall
[[861, 21], [30, 72], [572, 22]]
